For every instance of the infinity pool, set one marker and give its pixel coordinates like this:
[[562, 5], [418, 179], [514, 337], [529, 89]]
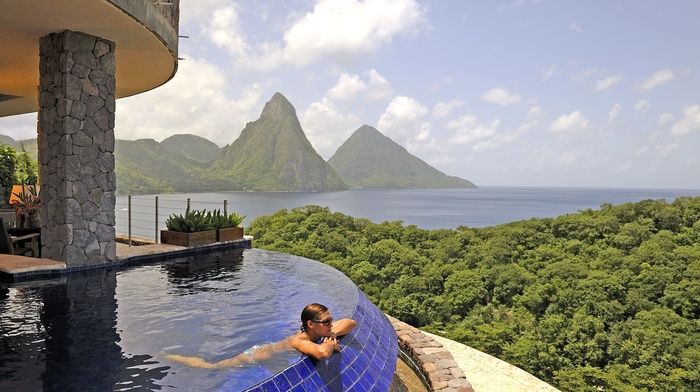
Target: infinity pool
[[108, 329]]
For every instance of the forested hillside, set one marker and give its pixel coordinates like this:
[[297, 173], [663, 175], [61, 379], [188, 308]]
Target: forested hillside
[[600, 300]]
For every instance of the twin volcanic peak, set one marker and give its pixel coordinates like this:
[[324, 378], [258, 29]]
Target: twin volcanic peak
[[368, 159], [272, 153]]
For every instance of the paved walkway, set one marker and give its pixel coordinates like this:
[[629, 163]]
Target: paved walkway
[[489, 374]]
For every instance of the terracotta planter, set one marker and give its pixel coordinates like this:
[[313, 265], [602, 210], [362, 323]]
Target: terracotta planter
[[230, 234], [187, 239]]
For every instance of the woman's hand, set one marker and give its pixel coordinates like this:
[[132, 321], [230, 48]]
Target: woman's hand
[[333, 340]]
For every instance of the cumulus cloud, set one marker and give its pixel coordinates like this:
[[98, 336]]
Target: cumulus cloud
[[341, 29], [616, 109], [378, 87], [582, 76], [608, 82], [348, 87], [689, 123], [373, 87], [468, 129], [665, 118], [656, 79], [642, 105], [531, 122], [500, 96], [192, 102], [327, 127], [401, 119], [443, 109], [223, 29], [574, 121]]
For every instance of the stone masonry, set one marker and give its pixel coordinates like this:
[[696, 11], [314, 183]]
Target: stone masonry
[[76, 148], [437, 363]]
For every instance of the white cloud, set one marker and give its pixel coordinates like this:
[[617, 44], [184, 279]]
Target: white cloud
[[500, 96], [665, 118], [642, 151], [348, 87], [582, 76], [224, 30], [656, 79], [575, 27], [443, 109], [378, 87], [642, 105], [574, 121], [401, 120], [668, 148], [616, 109], [192, 102], [689, 123], [469, 129], [608, 82], [339, 30], [326, 127]]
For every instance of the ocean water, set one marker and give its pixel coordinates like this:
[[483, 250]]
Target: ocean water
[[424, 208]]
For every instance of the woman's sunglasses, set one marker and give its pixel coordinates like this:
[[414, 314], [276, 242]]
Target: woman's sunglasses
[[325, 322]]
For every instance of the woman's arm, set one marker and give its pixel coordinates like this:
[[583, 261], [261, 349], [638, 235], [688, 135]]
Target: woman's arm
[[318, 351], [343, 326]]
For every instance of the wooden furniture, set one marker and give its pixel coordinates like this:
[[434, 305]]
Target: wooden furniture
[[22, 244]]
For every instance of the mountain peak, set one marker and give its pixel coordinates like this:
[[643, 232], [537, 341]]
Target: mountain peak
[[369, 159], [278, 106]]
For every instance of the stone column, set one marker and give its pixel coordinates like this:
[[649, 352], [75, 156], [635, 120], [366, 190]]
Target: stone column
[[76, 148]]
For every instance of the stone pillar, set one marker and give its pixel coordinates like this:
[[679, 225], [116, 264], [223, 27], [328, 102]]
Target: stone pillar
[[76, 148]]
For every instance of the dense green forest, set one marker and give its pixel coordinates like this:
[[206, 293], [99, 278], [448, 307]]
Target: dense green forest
[[599, 300]]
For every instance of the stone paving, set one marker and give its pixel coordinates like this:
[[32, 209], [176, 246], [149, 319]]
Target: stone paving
[[489, 374]]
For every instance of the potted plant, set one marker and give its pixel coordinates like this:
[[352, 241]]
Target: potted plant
[[228, 226], [192, 229], [27, 203]]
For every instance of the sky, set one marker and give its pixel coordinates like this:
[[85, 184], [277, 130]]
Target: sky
[[596, 93]]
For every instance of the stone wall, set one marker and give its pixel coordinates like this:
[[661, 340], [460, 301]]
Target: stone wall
[[436, 363], [76, 148]]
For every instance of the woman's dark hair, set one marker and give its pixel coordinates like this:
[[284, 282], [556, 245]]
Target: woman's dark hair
[[310, 312]]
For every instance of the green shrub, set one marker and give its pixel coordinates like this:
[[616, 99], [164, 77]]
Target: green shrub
[[192, 221]]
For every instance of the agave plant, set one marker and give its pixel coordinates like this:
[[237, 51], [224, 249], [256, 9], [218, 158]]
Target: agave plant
[[192, 221], [224, 221]]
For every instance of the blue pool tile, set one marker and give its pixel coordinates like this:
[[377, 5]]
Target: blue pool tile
[[366, 364], [293, 376], [281, 383]]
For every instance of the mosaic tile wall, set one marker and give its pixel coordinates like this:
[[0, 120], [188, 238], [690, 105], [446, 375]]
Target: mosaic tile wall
[[367, 361]]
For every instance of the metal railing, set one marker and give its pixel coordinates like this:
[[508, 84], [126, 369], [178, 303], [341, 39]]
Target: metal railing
[[142, 217]]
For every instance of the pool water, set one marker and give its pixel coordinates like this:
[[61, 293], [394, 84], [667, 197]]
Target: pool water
[[108, 329]]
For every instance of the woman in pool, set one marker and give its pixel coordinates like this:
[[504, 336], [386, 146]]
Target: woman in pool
[[318, 338]]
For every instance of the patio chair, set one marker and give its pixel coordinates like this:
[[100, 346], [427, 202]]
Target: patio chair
[[16, 245]]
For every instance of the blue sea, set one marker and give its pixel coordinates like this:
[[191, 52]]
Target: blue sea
[[424, 208]]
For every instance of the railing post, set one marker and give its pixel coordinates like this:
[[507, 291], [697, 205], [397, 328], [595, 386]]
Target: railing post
[[225, 205], [188, 204], [129, 218], [156, 238]]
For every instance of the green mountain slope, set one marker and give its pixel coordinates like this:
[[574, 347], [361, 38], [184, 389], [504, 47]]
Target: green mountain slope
[[273, 154], [193, 147], [369, 159], [145, 166]]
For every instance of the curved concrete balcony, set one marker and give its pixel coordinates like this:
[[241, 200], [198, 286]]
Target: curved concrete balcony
[[145, 33]]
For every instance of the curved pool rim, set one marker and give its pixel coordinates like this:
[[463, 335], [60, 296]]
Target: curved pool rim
[[368, 359]]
